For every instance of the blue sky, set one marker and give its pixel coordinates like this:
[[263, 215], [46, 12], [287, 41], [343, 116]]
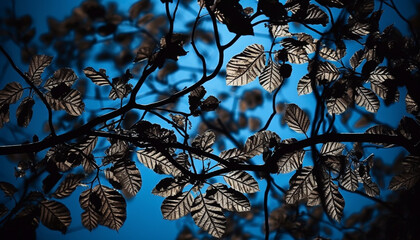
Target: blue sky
[[144, 220]]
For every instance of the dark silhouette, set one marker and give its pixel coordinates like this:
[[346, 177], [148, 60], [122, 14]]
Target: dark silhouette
[[119, 123]]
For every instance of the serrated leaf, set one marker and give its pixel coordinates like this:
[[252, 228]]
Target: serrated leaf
[[296, 118], [208, 215], [89, 163], [8, 189], [228, 198], [68, 186], [37, 67], [281, 30], [301, 185], [155, 160], [246, 66], [327, 72], [73, 103], [270, 78], [98, 77], [113, 207], [204, 142], [169, 186], [332, 148], [349, 180], [242, 182], [332, 200], [11, 93], [404, 180], [24, 112], [54, 215], [367, 99], [61, 76], [380, 74], [290, 161], [129, 177], [175, 207], [304, 85], [356, 59], [371, 188]]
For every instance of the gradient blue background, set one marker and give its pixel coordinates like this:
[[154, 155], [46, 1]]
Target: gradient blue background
[[144, 220]]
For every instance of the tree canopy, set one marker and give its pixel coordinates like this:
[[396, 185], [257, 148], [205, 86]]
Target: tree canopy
[[223, 100]]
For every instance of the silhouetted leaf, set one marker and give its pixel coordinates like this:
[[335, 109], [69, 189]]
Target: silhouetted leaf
[[36, 68], [332, 200], [356, 59], [208, 215], [301, 185], [204, 143], [296, 118], [242, 182], [246, 66], [280, 30], [68, 186], [90, 219], [404, 180], [310, 42], [233, 154], [313, 199], [327, 72], [8, 189], [332, 148], [61, 76], [381, 74], [113, 207], [332, 55], [129, 177], [175, 207], [331, 3], [366, 98], [231, 13], [73, 103], [138, 7], [349, 180], [54, 215], [228, 198], [86, 146], [360, 29], [316, 16], [120, 90], [410, 105], [270, 78], [99, 78], [11, 93], [304, 86], [370, 187], [155, 160], [290, 161], [338, 105], [24, 112], [209, 104], [256, 143], [169, 186]]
